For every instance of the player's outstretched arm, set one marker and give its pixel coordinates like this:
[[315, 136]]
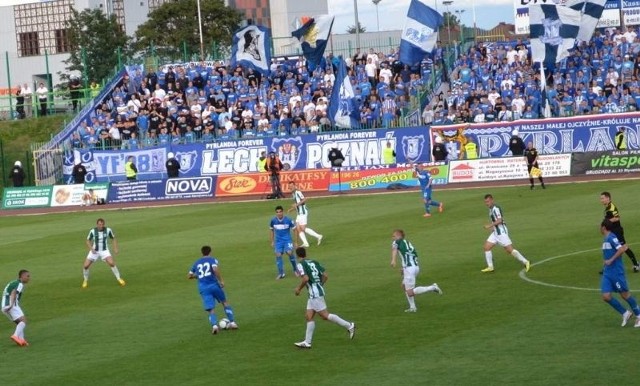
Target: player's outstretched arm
[[303, 282], [216, 271], [116, 250], [394, 257], [191, 275]]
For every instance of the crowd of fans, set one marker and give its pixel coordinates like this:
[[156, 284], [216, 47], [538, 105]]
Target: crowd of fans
[[207, 101], [498, 82]]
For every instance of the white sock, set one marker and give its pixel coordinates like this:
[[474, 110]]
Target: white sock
[[115, 271], [20, 330], [309, 335], [488, 256], [303, 238], [338, 320], [311, 232], [85, 273], [421, 290], [412, 301], [518, 256]]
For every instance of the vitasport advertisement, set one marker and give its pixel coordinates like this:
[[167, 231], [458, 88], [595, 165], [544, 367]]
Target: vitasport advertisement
[[605, 162]]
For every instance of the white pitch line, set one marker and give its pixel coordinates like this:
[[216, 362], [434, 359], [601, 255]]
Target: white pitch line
[[523, 274]]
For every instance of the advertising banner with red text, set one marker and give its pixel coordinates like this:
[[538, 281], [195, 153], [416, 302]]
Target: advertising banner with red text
[[381, 178], [260, 183]]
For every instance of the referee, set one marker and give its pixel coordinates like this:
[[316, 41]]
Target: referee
[[611, 214], [532, 161]]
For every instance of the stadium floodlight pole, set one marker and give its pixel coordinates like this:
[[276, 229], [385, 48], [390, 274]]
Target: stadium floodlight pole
[[447, 3], [376, 2], [357, 26], [473, 10], [200, 31]]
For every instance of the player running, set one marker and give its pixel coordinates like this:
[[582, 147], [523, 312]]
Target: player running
[[424, 177], [499, 235], [613, 278], [611, 213], [210, 285], [300, 206], [410, 269], [11, 305], [281, 240], [314, 277]]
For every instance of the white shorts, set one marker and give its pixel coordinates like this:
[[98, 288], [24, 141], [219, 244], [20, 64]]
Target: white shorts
[[502, 240], [409, 275], [99, 254], [14, 313], [301, 219], [317, 304]]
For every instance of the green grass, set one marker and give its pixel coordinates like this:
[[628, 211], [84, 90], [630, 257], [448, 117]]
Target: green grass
[[16, 138], [485, 330]]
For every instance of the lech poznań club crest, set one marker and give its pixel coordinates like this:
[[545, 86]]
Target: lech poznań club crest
[[288, 150], [412, 147], [187, 160]]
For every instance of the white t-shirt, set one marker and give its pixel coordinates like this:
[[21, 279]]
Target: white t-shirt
[[42, 92]]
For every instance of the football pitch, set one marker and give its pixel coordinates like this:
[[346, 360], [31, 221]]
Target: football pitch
[[487, 329]]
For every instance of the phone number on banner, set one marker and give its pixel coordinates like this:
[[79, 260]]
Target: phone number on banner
[[508, 168]]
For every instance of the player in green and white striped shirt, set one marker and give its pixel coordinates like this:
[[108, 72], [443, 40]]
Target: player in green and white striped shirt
[[499, 235], [300, 206], [98, 244], [314, 277], [410, 269], [11, 305]]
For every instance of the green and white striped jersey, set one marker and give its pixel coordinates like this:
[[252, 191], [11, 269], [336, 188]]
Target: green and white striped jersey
[[407, 252], [495, 213], [100, 237], [298, 197], [314, 271], [6, 294]]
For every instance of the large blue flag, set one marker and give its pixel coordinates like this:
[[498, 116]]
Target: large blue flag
[[420, 33], [251, 48], [313, 37], [343, 111], [591, 12], [553, 32]]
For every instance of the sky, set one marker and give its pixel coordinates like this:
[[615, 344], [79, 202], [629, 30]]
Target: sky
[[393, 12]]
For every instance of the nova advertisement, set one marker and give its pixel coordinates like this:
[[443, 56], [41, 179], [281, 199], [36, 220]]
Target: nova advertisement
[[550, 136], [611, 162], [381, 178], [260, 183], [303, 152], [152, 190]]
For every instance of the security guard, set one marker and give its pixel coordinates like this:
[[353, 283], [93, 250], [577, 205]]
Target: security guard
[[388, 154], [262, 162], [173, 166], [621, 139], [17, 174], [130, 169], [516, 144], [95, 89], [471, 150]]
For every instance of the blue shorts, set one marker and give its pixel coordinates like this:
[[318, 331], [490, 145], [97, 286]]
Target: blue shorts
[[210, 295], [281, 247], [617, 283], [426, 194]]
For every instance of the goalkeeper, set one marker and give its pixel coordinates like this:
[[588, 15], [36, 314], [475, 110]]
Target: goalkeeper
[[531, 155]]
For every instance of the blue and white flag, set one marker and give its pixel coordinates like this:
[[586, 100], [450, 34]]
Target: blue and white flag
[[591, 12], [553, 32], [250, 48], [545, 109], [343, 111], [420, 33], [313, 37]]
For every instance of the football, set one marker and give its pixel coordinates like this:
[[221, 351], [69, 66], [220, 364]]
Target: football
[[223, 323]]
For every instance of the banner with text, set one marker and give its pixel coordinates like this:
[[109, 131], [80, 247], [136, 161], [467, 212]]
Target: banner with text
[[26, 197], [67, 195], [507, 168], [549, 136], [260, 183], [605, 162], [303, 152], [172, 189], [381, 178]]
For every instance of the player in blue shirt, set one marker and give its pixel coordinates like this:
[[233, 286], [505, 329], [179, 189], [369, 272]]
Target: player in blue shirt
[[281, 241], [424, 177], [613, 278], [210, 286]]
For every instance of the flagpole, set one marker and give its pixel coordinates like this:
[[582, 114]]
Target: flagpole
[[473, 9], [200, 31], [355, 8]]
